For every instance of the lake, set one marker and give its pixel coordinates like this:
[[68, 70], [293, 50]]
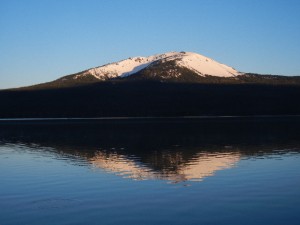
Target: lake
[[151, 171]]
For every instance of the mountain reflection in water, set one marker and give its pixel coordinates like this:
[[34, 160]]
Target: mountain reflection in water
[[175, 150], [199, 167]]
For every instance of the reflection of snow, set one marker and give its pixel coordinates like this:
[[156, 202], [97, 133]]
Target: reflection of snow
[[121, 165], [199, 167], [207, 165]]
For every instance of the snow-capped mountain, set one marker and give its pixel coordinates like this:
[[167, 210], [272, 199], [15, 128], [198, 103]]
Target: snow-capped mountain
[[194, 62], [180, 67]]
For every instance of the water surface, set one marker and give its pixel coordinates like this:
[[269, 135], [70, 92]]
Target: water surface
[[150, 171]]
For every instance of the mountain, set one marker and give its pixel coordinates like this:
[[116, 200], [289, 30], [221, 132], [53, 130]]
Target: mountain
[[194, 62], [180, 67], [197, 63], [171, 66], [170, 84]]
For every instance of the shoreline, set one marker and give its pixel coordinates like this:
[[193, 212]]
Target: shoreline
[[150, 118]]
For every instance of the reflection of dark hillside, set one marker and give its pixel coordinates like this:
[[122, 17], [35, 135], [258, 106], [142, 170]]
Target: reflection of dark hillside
[[147, 139]]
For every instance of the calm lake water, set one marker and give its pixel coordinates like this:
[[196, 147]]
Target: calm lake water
[[156, 171]]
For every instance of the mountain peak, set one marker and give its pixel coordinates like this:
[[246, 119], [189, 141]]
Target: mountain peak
[[197, 63]]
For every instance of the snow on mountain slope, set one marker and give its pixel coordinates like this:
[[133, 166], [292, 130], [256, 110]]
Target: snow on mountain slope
[[193, 61], [206, 66]]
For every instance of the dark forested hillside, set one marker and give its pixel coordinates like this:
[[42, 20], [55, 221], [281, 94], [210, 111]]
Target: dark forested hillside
[[151, 98]]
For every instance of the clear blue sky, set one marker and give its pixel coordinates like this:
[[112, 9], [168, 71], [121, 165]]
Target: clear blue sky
[[41, 40]]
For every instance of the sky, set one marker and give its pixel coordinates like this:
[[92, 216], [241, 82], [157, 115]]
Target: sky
[[42, 40]]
